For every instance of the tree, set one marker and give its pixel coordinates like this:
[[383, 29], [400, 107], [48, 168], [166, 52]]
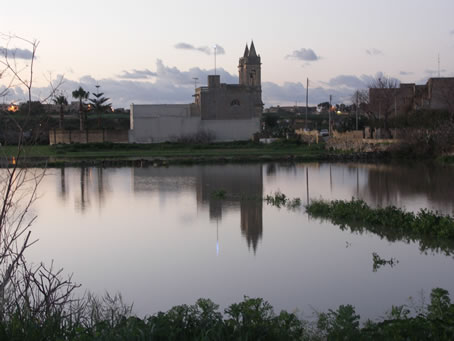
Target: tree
[[360, 100], [61, 101], [21, 70], [82, 96], [383, 93], [99, 105], [324, 106], [24, 289]]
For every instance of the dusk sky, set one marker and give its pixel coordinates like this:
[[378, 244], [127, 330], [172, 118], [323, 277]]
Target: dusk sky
[[149, 51]]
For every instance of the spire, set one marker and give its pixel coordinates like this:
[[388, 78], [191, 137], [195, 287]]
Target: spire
[[252, 52], [246, 51]]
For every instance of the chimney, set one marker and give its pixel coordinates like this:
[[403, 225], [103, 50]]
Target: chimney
[[214, 81]]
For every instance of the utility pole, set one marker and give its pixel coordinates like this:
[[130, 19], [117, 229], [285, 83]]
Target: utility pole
[[395, 105], [329, 115], [307, 102], [357, 100]]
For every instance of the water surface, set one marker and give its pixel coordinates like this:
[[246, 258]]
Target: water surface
[[161, 238]]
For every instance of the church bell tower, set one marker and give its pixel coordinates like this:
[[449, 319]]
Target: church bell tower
[[249, 68]]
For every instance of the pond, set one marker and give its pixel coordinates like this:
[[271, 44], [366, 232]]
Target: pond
[[164, 236]]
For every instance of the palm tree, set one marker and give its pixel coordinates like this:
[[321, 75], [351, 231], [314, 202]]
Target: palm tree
[[62, 102], [82, 95], [99, 105]]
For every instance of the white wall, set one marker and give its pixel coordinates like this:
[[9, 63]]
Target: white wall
[[148, 126]]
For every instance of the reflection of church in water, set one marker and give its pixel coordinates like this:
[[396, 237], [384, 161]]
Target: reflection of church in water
[[243, 186]]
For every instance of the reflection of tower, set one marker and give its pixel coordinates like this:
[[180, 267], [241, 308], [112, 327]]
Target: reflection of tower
[[251, 221], [243, 186]]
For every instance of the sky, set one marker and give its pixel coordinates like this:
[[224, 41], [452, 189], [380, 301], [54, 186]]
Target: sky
[[150, 51]]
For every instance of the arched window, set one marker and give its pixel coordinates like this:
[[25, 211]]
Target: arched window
[[235, 102]]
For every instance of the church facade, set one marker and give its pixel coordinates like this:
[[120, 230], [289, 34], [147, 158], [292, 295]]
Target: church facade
[[223, 112]]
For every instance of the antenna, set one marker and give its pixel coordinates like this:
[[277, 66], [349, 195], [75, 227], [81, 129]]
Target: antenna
[[307, 103], [215, 59], [438, 64], [195, 82]]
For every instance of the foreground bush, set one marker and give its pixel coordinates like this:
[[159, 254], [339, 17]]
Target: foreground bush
[[252, 319]]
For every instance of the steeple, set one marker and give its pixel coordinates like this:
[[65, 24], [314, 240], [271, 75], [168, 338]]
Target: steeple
[[246, 51], [252, 52], [249, 67]]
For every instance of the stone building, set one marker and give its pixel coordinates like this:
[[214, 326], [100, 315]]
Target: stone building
[[436, 94], [222, 112]]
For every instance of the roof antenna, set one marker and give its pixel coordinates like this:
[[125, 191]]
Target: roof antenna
[[438, 64]]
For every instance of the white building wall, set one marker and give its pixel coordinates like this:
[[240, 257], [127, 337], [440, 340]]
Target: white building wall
[[161, 123]]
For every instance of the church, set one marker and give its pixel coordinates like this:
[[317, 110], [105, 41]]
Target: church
[[220, 112]]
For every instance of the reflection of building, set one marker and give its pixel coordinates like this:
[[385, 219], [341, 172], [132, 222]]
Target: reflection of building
[[242, 185], [392, 184]]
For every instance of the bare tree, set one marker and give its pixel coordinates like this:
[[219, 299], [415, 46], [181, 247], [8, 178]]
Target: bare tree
[[23, 288], [383, 92], [36, 292]]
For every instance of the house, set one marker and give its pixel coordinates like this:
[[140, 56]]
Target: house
[[436, 94], [220, 112]]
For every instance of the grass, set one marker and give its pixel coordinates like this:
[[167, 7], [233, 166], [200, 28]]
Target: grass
[[236, 150]]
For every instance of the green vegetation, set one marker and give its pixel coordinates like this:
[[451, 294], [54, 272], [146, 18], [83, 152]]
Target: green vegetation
[[448, 159], [378, 262], [251, 319], [281, 200], [175, 152], [432, 230]]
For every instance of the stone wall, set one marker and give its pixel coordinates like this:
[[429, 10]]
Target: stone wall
[[354, 134], [311, 136], [227, 102], [360, 145], [60, 136]]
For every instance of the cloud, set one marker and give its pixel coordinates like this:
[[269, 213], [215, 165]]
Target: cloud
[[351, 81], [288, 93], [137, 74], [405, 73], [170, 85], [433, 73], [203, 49], [16, 53], [304, 54], [374, 52]]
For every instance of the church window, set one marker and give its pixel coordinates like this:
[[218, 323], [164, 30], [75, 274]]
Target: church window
[[235, 102]]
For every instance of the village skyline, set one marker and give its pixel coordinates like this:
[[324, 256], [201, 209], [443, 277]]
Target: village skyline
[[151, 52]]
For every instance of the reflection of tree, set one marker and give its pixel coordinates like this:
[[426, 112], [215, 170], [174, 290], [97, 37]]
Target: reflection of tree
[[102, 186], [388, 183], [84, 201], [63, 193]]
